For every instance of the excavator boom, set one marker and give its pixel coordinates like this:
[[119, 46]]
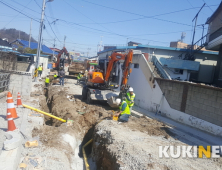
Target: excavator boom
[[64, 50], [126, 68]]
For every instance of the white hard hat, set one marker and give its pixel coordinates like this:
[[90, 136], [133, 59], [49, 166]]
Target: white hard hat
[[86, 71], [118, 101], [130, 89], [80, 71]]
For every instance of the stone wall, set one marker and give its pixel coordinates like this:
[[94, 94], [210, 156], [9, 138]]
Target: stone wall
[[200, 101], [20, 82], [22, 66]]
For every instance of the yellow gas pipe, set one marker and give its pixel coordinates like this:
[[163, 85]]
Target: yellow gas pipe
[[47, 114], [84, 154]]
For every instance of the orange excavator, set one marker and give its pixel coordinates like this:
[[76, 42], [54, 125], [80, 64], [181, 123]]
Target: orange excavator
[[109, 79], [60, 59]]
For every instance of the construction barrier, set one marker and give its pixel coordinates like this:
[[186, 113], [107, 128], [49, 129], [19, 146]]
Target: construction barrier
[[47, 114], [36, 73]]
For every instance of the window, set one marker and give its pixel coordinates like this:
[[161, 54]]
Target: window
[[178, 71], [136, 65]]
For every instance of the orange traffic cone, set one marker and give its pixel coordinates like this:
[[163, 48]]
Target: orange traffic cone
[[19, 101], [11, 106], [11, 124]]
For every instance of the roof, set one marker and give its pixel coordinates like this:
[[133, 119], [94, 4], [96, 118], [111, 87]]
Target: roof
[[179, 64], [30, 55], [34, 45], [218, 10], [4, 43], [134, 42], [155, 47], [7, 50]]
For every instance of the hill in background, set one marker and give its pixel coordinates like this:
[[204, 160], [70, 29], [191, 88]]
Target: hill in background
[[12, 34]]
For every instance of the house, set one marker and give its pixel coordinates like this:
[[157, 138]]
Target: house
[[214, 41], [5, 44], [131, 43], [33, 45], [177, 69]]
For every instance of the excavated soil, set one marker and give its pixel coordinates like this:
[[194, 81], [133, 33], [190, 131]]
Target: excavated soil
[[60, 103]]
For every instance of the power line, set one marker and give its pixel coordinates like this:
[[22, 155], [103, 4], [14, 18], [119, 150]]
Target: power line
[[52, 29], [18, 11], [208, 5], [189, 3], [37, 4], [144, 16]]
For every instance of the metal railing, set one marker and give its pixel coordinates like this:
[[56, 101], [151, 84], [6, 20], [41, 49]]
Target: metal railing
[[159, 67], [4, 81]]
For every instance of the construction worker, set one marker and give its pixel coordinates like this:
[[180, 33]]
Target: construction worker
[[40, 70], [80, 75], [47, 81], [124, 112], [61, 76], [130, 96], [55, 76]]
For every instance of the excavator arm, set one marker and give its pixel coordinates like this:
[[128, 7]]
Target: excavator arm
[[64, 50], [126, 72], [126, 68], [113, 59]]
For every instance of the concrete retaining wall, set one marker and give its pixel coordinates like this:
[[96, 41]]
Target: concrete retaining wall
[[200, 101], [149, 96], [20, 82], [23, 66]]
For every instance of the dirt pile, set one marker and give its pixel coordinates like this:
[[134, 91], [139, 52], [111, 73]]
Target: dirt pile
[[149, 126], [60, 103]]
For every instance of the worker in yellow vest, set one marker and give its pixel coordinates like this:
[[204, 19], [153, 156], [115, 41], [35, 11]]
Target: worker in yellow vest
[[124, 112], [55, 76], [40, 70], [130, 96], [47, 81]]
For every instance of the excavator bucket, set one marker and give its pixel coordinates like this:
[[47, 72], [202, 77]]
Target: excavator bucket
[[112, 102]]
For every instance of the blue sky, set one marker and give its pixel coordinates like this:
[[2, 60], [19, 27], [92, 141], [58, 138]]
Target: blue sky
[[85, 22]]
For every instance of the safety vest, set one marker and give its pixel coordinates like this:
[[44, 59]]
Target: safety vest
[[47, 80], [40, 68], [127, 110], [131, 98], [55, 76], [79, 76]]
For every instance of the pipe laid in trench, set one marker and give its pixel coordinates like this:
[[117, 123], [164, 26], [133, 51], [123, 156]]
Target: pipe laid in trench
[[47, 114], [84, 154]]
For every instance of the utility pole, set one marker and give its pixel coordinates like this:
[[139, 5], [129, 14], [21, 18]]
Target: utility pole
[[64, 41], [53, 49], [30, 34], [88, 51], [40, 36], [194, 30], [19, 34]]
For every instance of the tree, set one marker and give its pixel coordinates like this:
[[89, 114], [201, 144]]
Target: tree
[[31, 51], [20, 49]]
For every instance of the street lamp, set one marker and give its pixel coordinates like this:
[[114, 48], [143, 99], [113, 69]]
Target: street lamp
[[40, 36]]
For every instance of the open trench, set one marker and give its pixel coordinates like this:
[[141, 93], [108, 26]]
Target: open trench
[[133, 145], [70, 139]]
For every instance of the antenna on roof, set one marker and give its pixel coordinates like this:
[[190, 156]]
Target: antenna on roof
[[183, 35]]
